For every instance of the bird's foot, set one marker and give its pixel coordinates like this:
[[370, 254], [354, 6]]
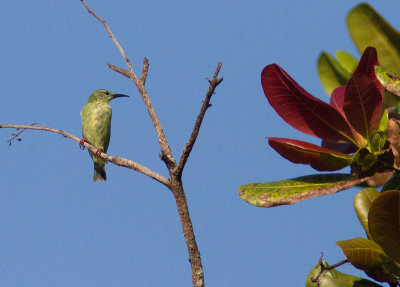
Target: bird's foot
[[81, 144], [98, 152]]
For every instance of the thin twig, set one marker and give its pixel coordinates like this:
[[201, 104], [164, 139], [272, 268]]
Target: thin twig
[[330, 267], [112, 37], [165, 149], [124, 72], [120, 161], [214, 82], [15, 136]]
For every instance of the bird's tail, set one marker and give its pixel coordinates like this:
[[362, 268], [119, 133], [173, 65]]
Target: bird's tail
[[99, 172]]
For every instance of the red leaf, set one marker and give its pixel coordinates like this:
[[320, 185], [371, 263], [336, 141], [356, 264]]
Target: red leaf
[[301, 110], [368, 61], [337, 98], [363, 104], [339, 147], [319, 158]]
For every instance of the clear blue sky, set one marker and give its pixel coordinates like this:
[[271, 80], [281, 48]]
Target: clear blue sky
[[58, 228]]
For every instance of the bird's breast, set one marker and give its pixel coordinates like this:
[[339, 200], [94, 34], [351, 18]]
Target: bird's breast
[[96, 124]]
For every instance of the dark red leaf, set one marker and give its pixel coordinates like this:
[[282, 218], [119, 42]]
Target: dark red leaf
[[339, 147], [303, 111], [363, 104], [319, 158], [368, 61]]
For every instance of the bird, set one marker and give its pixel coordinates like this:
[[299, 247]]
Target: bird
[[96, 127]]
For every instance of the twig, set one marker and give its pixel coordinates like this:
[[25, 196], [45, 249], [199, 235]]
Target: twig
[[16, 135], [214, 82], [124, 72], [330, 267], [110, 33], [325, 267], [120, 161]]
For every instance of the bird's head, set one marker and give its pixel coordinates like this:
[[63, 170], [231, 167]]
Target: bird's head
[[104, 96]]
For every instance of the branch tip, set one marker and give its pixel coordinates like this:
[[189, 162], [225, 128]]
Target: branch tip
[[214, 82]]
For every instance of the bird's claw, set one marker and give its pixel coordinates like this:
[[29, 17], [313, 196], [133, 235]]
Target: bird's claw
[[98, 152], [81, 144]]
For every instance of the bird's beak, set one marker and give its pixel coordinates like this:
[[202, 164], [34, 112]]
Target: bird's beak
[[119, 96]]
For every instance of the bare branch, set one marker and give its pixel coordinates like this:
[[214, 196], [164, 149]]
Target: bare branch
[[166, 151], [116, 160], [214, 82]]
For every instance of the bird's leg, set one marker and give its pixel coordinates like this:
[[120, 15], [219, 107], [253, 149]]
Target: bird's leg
[[81, 142], [98, 152]]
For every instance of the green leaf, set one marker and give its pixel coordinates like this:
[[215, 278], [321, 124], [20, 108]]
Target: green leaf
[[368, 28], [368, 256], [363, 253], [331, 73], [347, 61], [333, 278], [384, 223], [362, 203], [289, 191]]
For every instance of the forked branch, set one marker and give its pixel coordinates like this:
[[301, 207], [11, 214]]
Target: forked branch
[[175, 170]]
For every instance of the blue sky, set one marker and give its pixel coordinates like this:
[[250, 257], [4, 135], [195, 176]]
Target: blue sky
[[58, 228]]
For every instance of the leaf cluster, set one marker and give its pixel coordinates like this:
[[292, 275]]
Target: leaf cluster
[[378, 255], [359, 127]]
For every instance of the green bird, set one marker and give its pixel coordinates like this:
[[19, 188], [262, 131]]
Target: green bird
[[96, 127]]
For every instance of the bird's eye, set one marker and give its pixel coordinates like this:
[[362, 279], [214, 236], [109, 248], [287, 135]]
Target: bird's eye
[[107, 93]]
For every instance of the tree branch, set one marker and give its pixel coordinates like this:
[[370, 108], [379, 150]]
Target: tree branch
[[165, 149], [120, 161], [214, 82]]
